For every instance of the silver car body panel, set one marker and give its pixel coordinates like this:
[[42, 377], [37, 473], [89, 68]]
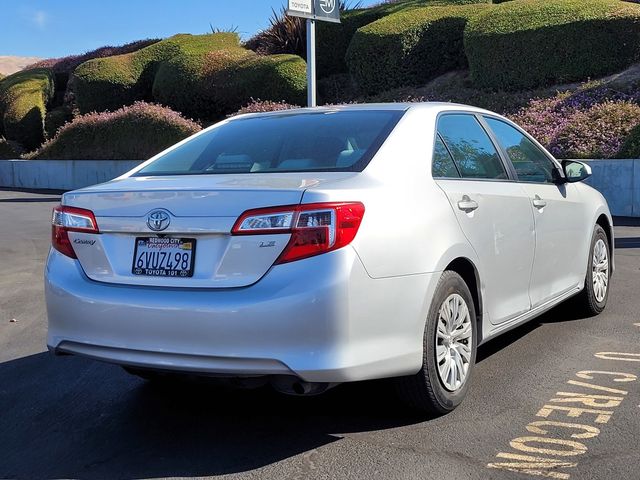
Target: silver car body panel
[[352, 314]]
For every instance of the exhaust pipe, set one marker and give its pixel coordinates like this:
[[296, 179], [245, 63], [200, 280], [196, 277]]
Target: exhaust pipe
[[294, 386]]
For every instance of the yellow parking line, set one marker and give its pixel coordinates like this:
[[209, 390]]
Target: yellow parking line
[[542, 454]]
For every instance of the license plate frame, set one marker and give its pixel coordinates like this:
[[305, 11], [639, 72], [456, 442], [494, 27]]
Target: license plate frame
[[164, 263]]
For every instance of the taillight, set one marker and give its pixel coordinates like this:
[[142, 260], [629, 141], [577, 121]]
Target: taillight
[[70, 219], [315, 228]]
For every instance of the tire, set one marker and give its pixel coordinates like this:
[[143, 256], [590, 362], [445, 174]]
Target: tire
[[591, 301], [427, 391]]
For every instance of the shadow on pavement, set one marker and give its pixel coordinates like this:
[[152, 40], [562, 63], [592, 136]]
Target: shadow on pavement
[[68, 417], [565, 312], [626, 221], [627, 242], [72, 418]]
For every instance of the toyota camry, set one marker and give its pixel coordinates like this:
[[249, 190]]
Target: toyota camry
[[312, 247]]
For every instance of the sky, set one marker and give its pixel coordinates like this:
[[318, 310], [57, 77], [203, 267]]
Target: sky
[[55, 28]]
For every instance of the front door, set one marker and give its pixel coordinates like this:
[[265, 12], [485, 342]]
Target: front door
[[493, 211], [561, 243]]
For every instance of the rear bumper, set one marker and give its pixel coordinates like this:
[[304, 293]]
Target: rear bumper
[[322, 319]]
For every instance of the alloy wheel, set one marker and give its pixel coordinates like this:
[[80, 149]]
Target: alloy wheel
[[454, 337], [600, 270]]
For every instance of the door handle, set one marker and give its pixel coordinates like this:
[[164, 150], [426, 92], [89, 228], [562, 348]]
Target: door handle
[[467, 205], [538, 202]]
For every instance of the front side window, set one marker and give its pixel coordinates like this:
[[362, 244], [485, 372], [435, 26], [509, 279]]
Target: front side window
[[530, 163], [285, 142], [473, 152]]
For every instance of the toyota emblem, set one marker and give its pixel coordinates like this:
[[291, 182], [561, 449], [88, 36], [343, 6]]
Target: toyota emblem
[[158, 220]]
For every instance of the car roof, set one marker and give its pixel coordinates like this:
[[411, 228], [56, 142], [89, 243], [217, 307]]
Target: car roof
[[433, 107]]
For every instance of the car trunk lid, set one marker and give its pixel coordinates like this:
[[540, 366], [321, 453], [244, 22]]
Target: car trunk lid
[[195, 215]]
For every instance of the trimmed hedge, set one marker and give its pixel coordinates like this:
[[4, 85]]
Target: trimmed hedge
[[63, 67], [205, 77], [410, 47], [631, 146], [184, 82], [23, 101], [220, 83], [111, 82], [277, 78], [55, 119], [527, 43], [334, 39], [136, 132]]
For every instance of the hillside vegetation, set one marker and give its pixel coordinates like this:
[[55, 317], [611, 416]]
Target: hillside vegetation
[[517, 57], [528, 43]]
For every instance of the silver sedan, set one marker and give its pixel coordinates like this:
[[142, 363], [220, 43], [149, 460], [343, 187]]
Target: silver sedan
[[312, 247]]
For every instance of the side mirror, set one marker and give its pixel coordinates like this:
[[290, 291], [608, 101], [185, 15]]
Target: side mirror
[[575, 171]]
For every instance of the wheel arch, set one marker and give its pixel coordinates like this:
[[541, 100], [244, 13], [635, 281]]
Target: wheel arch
[[469, 273], [604, 221]]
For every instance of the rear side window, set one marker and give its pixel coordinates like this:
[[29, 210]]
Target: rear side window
[[473, 152], [443, 166], [286, 142], [530, 163]]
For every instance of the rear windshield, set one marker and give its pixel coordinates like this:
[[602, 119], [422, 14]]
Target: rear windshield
[[291, 142]]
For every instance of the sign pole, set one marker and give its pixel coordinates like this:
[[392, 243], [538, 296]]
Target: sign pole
[[311, 63], [313, 10]]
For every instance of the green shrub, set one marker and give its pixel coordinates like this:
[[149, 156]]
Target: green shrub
[[278, 78], [23, 102], [136, 132], [55, 119], [285, 34], [218, 84], [111, 82], [527, 43], [410, 47], [339, 88], [334, 39], [631, 146], [185, 83], [7, 151], [63, 67]]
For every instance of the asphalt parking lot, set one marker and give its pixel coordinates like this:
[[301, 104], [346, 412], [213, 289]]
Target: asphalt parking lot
[[559, 397]]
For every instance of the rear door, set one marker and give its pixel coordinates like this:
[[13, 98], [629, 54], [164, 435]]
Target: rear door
[[493, 211], [559, 213]]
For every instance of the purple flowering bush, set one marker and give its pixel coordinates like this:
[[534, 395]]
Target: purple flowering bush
[[590, 123], [598, 132], [136, 132], [261, 106], [68, 64]]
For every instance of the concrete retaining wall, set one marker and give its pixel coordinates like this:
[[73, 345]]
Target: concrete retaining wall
[[618, 180], [61, 174]]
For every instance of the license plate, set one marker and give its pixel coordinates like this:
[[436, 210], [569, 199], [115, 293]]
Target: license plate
[[164, 257]]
